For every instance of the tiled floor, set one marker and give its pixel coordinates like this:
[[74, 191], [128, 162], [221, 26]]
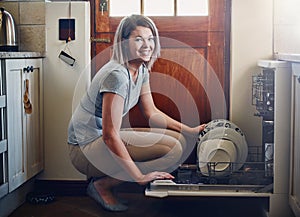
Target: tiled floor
[[142, 206]]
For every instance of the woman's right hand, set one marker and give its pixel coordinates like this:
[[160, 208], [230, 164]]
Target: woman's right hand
[[154, 175]]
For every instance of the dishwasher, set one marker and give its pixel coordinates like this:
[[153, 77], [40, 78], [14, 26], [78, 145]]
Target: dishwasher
[[259, 171]]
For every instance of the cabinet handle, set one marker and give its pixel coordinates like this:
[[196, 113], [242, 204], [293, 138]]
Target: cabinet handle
[[28, 69], [298, 79]]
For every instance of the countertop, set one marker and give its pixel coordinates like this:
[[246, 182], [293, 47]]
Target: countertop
[[19, 55], [291, 57]]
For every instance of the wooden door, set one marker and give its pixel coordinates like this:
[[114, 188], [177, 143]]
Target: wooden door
[[190, 82]]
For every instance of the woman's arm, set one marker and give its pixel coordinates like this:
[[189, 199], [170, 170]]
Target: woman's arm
[[157, 117], [112, 109]]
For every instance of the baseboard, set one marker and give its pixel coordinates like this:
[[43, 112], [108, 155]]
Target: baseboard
[[78, 188], [61, 187]]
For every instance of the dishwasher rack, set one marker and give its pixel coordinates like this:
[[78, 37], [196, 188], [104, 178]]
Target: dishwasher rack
[[254, 176], [253, 172]]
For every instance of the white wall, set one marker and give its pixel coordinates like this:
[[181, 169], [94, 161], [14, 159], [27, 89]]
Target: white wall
[[60, 82], [259, 29], [286, 26], [251, 40]]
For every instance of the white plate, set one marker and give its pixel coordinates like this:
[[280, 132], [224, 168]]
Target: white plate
[[226, 130], [219, 152]]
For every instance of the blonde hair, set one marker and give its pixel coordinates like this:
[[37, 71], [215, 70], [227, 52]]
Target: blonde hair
[[126, 26]]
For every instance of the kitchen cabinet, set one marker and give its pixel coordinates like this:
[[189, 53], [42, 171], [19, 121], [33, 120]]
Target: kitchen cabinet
[[3, 137], [294, 196], [24, 119]]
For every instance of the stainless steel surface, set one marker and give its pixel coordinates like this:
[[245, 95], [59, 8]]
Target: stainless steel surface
[[8, 34]]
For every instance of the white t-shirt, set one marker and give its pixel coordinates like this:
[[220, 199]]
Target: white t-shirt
[[86, 123]]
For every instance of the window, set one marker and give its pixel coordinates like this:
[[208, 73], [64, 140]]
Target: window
[[192, 7], [124, 7], [159, 7]]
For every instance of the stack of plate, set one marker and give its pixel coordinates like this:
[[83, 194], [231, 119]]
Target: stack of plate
[[222, 147]]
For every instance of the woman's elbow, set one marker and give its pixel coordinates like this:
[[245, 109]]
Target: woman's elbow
[[108, 137]]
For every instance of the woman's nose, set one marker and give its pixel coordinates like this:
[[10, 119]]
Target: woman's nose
[[145, 43]]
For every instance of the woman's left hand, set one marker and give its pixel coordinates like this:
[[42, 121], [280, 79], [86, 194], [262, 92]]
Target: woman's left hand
[[196, 130]]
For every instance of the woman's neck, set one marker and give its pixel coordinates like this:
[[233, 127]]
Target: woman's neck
[[134, 66], [134, 70]]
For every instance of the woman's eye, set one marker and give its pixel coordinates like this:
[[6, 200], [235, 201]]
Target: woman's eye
[[151, 39], [138, 39]]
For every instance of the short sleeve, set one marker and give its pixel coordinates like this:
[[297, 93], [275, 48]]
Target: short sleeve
[[115, 82]]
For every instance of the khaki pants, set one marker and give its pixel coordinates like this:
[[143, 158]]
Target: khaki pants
[[151, 149]]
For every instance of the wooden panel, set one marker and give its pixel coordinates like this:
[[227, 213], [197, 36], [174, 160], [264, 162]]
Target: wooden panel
[[184, 38], [176, 84], [216, 48], [217, 15], [102, 56], [101, 20], [184, 72]]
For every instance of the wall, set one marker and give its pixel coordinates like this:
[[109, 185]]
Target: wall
[[259, 29], [29, 18], [286, 26], [251, 40], [60, 85]]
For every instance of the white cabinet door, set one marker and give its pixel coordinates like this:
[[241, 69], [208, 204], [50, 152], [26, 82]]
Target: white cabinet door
[[16, 147], [25, 154], [32, 122]]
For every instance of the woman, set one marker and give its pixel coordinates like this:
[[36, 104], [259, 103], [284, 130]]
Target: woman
[[99, 147]]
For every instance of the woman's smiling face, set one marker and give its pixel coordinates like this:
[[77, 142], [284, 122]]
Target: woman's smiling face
[[141, 44]]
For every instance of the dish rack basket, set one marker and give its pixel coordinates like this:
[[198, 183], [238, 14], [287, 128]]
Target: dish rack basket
[[253, 172]]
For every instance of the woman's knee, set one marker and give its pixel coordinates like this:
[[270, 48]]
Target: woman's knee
[[177, 150]]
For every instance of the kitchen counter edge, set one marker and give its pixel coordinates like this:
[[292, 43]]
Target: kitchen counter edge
[[21, 55], [291, 57]]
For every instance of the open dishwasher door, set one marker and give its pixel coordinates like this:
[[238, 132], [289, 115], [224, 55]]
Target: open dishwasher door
[[190, 182], [226, 166]]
